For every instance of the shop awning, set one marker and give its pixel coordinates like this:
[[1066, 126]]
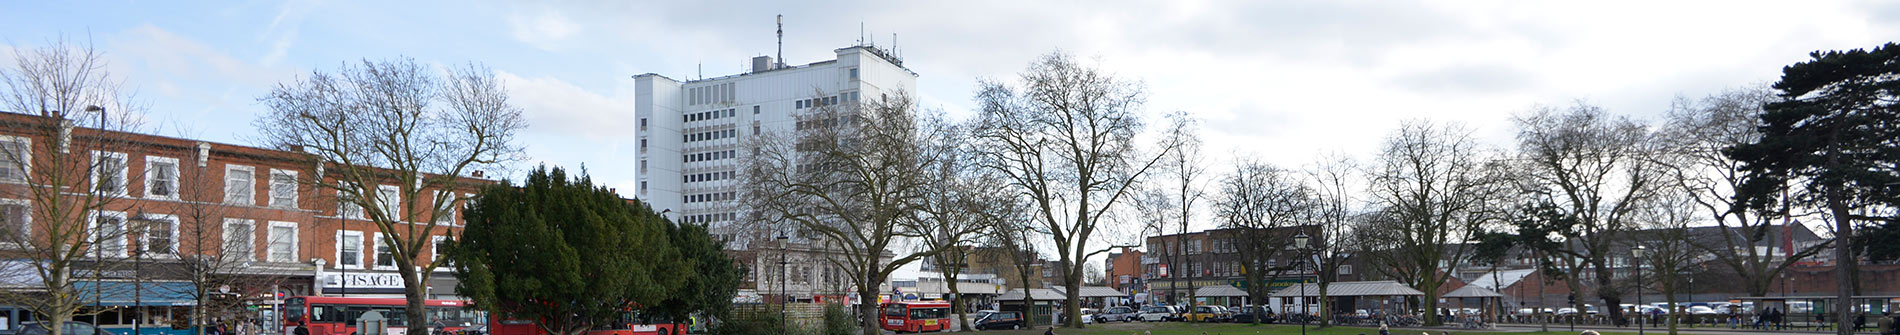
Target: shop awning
[[1219, 291], [120, 293], [1094, 292], [1473, 291]]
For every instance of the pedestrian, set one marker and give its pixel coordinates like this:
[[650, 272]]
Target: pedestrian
[[1383, 330], [1885, 325], [1860, 322]]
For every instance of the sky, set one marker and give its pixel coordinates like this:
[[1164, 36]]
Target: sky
[[1281, 81]]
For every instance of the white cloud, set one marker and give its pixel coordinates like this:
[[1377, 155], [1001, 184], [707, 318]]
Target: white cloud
[[555, 106], [546, 30]]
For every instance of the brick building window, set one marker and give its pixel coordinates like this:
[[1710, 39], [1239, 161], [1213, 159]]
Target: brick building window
[[283, 242], [349, 249], [108, 172], [283, 188], [240, 183], [161, 177], [240, 239]]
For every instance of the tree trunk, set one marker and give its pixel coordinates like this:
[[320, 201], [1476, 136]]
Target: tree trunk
[[867, 308], [1072, 306], [416, 290], [963, 314], [1843, 257]]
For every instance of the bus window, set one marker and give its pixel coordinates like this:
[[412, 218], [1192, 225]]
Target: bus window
[[894, 311], [326, 313], [293, 309], [927, 313]]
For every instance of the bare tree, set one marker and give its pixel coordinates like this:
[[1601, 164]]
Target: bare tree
[[393, 139], [1697, 132], [960, 205], [1433, 185], [1598, 169], [214, 253], [855, 176], [1263, 203], [1672, 255], [1334, 182], [65, 175], [1064, 139]]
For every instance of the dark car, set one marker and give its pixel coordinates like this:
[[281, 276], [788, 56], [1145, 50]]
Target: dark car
[[1000, 320], [72, 328], [1249, 313]]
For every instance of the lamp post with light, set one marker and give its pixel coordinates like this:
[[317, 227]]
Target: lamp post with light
[[784, 296], [1636, 260], [1299, 243]]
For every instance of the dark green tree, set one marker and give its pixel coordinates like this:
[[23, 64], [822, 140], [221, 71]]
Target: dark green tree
[[564, 252], [712, 282], [1835, 136]]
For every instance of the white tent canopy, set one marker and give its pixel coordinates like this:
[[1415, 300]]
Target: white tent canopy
[[1219, 291], [1350, 289]]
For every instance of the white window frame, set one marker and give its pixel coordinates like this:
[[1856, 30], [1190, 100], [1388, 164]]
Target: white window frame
[[98, 161], [26, 224], [270, 245], [346, 207], [25, 156], [145, 237], [390, 199], [151, 176], [435, 252], [93, 228], [376, 255], [250, 187], [250, 240], [292, 202], [342, 235], [448, 213]]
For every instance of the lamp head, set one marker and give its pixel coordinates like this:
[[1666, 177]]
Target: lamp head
[[95, 109], [1299, 241]]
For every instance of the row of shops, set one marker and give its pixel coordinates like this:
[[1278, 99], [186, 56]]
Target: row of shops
[[161, 298]]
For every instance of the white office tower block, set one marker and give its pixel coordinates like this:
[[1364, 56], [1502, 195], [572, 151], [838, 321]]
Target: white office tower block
[[692, 134]]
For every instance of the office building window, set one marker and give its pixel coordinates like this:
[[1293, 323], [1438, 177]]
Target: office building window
[[161, 177]]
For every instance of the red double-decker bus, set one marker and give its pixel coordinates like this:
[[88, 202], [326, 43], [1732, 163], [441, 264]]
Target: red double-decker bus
[[338, 315], [916, 316]]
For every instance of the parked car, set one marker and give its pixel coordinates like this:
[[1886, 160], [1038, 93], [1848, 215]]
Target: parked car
[[1158, 313], [1117, 314], [1247, 314], [71, 328], [1703, 310], [1000, 320], [1206, 314]]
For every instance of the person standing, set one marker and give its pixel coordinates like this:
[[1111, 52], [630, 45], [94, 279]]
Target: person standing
[[1885, 324]]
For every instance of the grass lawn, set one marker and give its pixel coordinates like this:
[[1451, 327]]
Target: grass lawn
[[1183, 328]]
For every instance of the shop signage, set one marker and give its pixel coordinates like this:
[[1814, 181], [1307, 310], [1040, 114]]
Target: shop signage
[[362, 280]]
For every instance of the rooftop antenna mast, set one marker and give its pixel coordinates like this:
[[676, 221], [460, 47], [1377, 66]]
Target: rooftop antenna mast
[[781, 40]]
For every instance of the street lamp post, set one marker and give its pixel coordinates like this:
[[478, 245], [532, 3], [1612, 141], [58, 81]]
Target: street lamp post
[[784, 296], [1299, 243], [1636, 260]]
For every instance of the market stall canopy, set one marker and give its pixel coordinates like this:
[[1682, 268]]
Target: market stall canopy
[[1351, 289], [1034, 294], [1219, 291], [1473, 291]]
